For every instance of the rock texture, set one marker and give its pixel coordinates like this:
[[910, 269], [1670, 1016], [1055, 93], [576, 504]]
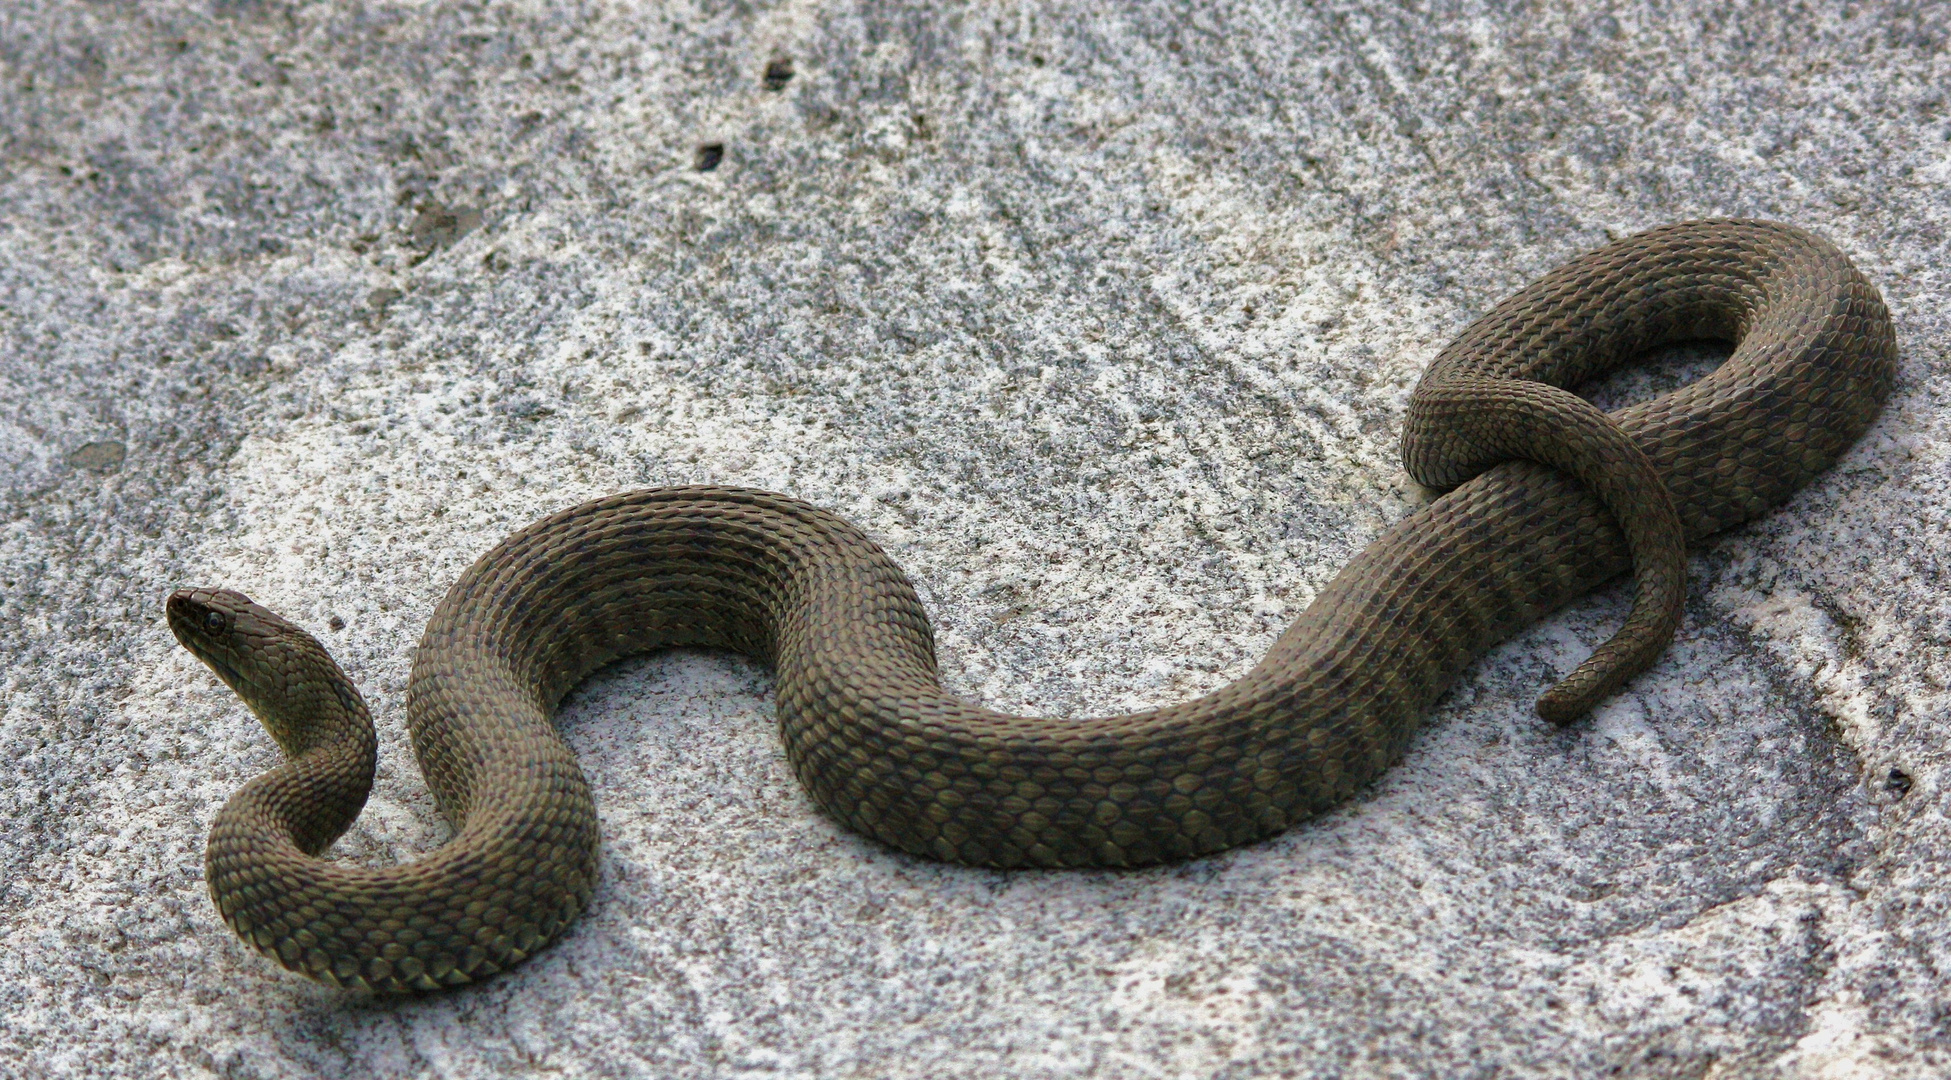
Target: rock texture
[[1102, 318]]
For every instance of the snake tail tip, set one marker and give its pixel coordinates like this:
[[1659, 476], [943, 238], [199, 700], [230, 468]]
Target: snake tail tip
[[1563, 709]]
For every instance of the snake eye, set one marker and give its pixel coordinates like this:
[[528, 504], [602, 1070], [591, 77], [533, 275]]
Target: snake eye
[[215, 621]]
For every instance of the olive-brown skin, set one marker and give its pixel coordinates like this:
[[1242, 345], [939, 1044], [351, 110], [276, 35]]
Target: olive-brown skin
[[882, 748]]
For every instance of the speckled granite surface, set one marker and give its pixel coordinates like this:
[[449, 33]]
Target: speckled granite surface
[[1101, 318]]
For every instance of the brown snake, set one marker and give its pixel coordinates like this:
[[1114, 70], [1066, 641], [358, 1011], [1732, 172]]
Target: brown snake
[[1555, 499]]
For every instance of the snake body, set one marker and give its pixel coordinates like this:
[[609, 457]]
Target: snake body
[[1555, 498]]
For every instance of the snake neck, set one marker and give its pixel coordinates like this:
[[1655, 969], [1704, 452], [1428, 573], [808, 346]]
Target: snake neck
[[331, 751], [311, 799], [302, 697]]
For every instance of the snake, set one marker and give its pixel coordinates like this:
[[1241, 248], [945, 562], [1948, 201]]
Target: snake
[[1544, 497]]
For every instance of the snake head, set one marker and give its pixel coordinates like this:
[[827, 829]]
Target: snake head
[[283, 673]]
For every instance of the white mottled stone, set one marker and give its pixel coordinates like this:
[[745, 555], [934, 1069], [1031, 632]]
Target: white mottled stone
[[1102, 318]]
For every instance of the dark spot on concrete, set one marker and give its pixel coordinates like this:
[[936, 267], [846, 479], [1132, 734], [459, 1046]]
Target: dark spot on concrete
[[437, 226], [335, 623], [102, 457], [523, 407], [778, 72], [709, 155], [1897, 782]]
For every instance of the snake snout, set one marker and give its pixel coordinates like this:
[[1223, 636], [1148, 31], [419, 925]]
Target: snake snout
[[208, 622], [204, 612], [204, 622]]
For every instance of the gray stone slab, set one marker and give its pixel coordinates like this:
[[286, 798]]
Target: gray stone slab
[[1102, 319]]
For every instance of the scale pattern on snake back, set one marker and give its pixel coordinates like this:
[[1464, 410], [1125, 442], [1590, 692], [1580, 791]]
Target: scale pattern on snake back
[[881, 747]]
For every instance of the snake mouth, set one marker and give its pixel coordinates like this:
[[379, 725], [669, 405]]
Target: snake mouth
[[223, 669]]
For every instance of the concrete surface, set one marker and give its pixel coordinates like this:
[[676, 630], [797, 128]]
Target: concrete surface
[[1102, 318]]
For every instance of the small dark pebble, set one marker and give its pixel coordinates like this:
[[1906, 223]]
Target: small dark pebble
[[103, 457], [778, 73], [1898, 783], [436, 226], [335, 623], [709, 155]]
